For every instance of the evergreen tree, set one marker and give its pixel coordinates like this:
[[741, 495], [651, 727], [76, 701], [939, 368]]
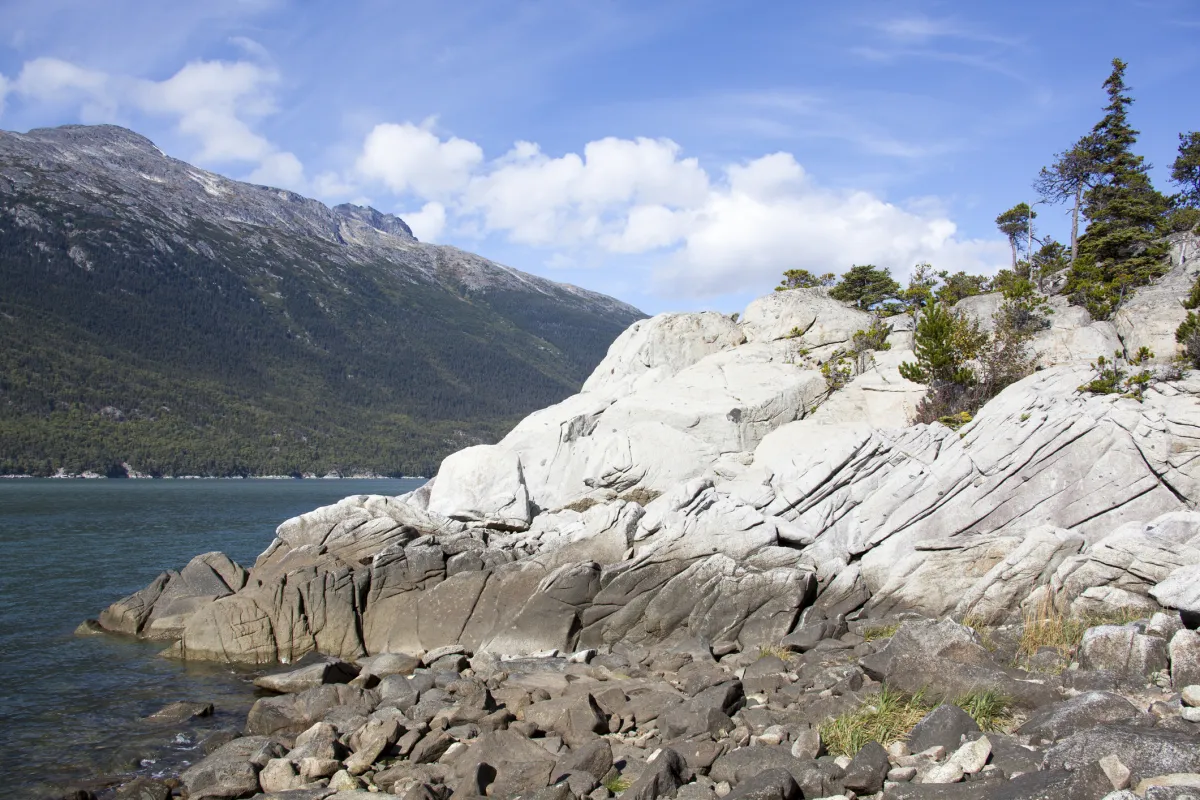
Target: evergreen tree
[[1017, 225], [959, 285], [865, 286], [920, 287], [1186, 170], [1118, 251], [1071, 174], [803, 279], [943, 343]]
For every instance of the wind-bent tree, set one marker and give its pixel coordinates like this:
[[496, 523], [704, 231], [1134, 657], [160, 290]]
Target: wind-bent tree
[[1071, 174], [865, 286], [803, 279], [1017, 225], [1119, 250]]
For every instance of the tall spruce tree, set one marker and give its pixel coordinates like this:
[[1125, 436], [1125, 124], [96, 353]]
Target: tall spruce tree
[[1119, 251]]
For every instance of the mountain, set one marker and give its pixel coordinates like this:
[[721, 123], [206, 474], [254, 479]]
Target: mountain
[[157, 315]]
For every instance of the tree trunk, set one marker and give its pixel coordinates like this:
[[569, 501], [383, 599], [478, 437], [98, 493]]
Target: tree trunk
[[1075, 224], [1012, 242]]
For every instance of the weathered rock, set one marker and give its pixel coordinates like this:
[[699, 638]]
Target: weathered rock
[[1123, 650], [946, 660], [298, 680], [772, 784], [143, 789], [181, 712], [280, 775], [484, 484], [1145, 751], [945, 726], [297, 712], [868, 769], [575, 718], [1080, 713], [664, 774], [231, 770]]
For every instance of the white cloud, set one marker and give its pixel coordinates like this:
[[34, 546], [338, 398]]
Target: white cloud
[[428, 223], [410, 158], [280, 169], [5, 87], [703, 236], [216, 103], [768, 218]]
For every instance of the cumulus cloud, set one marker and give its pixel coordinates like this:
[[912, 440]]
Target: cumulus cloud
[[215, 103], [541, 200], [701, 234], [411, 158], [428, 223]]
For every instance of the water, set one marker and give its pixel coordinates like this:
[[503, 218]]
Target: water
[[71, 707]]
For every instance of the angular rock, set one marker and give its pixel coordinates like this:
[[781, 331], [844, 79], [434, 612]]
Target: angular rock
[[1184, 652], [868, 769], [664, 774], [231, 770], [945, 726], [298, 680], [1060, 720], [773, 784], [1145, 751], [1123, 650], [483, 484]]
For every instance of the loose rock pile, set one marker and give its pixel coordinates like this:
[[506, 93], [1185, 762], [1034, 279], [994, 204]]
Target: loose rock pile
[[682, 721]]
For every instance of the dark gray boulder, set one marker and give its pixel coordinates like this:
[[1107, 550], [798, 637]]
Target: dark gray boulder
[[665, 773], [231, 770], [1060, 720], [773, 784], [867, 769], [944, 726], [1145, 751]]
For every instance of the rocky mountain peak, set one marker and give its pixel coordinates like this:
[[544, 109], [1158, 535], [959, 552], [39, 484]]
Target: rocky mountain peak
[[379, 220]]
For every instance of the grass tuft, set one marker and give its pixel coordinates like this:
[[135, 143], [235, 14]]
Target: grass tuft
[[880, 632], [885, 718], [991, 710], [641, 495], [617, 784]]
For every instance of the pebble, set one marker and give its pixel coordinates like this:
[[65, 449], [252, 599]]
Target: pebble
[[973, 755], [1118, 774], [901, 774]]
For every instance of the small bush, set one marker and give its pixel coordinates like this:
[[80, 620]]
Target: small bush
[[836, 371], [1112, 379], [794, 333], [885, 718], [582, 504], [641, 495], [777, 650]]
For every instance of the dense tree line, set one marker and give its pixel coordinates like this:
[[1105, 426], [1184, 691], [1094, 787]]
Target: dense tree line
[[114, 347]]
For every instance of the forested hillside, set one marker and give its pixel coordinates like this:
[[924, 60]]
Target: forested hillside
[[157, 315]]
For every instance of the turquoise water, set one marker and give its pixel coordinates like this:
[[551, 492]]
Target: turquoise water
[[71, 707]]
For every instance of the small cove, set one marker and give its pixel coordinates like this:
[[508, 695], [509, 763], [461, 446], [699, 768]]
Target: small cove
[[72, 706]]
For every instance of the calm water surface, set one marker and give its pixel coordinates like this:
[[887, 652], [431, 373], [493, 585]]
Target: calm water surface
[[71, 707]]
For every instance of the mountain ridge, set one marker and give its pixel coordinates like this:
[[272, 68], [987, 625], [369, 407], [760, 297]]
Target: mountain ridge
[[275, 315]]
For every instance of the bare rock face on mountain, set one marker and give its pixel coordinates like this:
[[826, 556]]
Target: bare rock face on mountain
[[705, 486]]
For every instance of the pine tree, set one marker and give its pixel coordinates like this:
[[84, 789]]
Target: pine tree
[[1185, 172], [1124, 211], [865, 286], [803, 279], [1071, 174], [1017, 225]]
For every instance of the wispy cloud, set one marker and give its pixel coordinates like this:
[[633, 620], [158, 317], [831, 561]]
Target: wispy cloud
[[926, 29]]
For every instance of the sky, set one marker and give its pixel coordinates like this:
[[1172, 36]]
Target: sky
[[677, 155]]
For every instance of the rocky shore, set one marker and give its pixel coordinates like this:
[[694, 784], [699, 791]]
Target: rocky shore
[[709, 574], [901, 708]]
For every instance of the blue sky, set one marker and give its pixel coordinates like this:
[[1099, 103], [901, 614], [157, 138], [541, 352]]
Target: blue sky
[[678, 155]]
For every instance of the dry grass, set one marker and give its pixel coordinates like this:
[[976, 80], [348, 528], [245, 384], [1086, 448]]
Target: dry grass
[[1046, 627], [885, 718], [984, 631], [880, 632], [777, 650]]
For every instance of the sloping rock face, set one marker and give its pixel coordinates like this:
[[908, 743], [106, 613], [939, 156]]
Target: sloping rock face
[[705, 485]]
